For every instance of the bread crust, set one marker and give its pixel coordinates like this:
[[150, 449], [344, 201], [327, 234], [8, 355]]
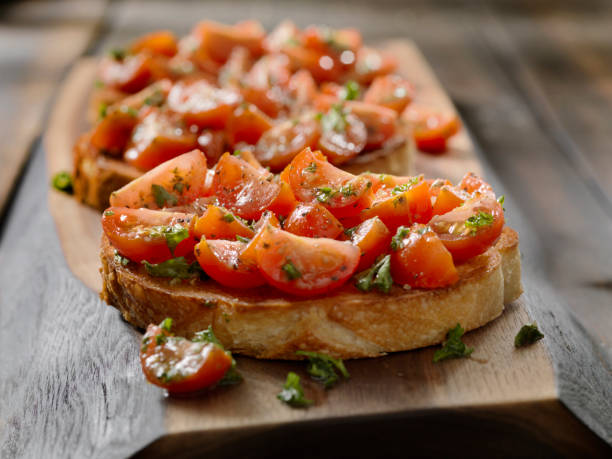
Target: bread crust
[[267, 324]]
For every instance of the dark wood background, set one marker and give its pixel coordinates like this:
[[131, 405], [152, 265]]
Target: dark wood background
[[533, 83]]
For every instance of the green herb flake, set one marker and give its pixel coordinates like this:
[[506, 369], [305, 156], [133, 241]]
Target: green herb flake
[[351, 90], [528, 334], [453, 347], [291, 271], [347, 191], [121, 259], [166, 324], [162, 196], [479, 220], [350, 231], [501, 200], [293, 393], [117, 53], [292, 41], [232, 376], [62, 181], [405, 186], [323, 368], [312, 167], [177, 268], [324, 194], [228, 217], [239, 238], [102, 110], [378, 276], [174, 236], [156, 99], [397, 241], [145, 343], [109, 213], [334, 119]]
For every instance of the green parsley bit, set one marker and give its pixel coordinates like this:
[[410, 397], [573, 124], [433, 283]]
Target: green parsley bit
[[501, 200], [291, 271], [350, 231], [156, 99], [312, 167], [162, 196], [246, 240], [334, 119], [102, 110], [208, 336], [175, 235], [479, 220], [99, 84], [528, 334], [324, 194], [166, 324], [62, 181], [120, 259], [453, 347], [347, 190], [379, 276], [228, 217], [109, 213], [176, 268], [405, 186], [292, 393], [397, 241], [323, 368], [351, 90], [117, 53]]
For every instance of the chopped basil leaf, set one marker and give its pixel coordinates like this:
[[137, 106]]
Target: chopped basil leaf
[[175, 235], [324, 368], [405, 186], [162, 196], [292, 393], [208, 336], [350, 231], [528, 334], [246, 240], [117, 53], [397, 241], [121, 259], [324, 194], [351, 90], [145, 343], [178, 268], [166, 324], [379, 276], [312, 167], [501, 200], [334, 119], [291, 271], [62, 181], [347, 190], [156, 99], [453, 347], [102, 110], [479, 220], [228, 217], [109, 213]]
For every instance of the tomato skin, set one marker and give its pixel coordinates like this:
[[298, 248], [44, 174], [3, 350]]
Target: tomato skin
[[471, 183], [322, 67], [390, 91], [371, 63], [280, 144], [130, 74], [380, 122], [183, 178], [285, 201], [302, 89], [222, 260], [312, 220], [127, 229], [202, 364], [309, 172], [448, 198], [242, 188], [214, 224], [200, 103], [431, 129], [249, 254], [212, 144], [156, 140], [404, 208], [341, 145], [423, 261], [162, 42], [218, 40], [265, 83], [247, 124], [466, 242], [113, 132], [373, 238], [322, 264]]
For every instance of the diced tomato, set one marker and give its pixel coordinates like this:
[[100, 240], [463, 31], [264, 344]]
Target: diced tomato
[[179, 365], [471, 229], [222, 261], [435, 185], [373, 238], [280, 144], [313, 179], [332, 41], [302, 89], [246, 124], [173, 183], [371, 63], [161, 42], [265, 84], [218, 40], [242, 188], [302, 265], [202, 104], [471, 183], [138, 234], [193, 60], [113, 131], [285, 201], [322, 67], [249, 254], [420, 260], [212, 144], [247, 155], [153, 95], [343, 135], [431, 129], [380, 122], [236, 67], [388, 181], [312, 220], [129, 74], [390, 91], [448, 198], [156, 140], [218, 223], [402, 206], [284, 34]]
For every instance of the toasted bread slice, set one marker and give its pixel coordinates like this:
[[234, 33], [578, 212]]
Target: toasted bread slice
[[265, 323]]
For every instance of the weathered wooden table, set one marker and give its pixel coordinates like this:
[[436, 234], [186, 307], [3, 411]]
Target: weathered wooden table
[[533, 82]]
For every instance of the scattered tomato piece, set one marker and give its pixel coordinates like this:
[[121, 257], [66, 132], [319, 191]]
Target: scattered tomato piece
[[373, 238], [312, 220]]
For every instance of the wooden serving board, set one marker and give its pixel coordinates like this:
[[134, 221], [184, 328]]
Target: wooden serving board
[[506, 392]]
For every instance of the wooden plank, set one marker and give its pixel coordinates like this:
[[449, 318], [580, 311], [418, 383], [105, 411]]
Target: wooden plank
[[34, 58]]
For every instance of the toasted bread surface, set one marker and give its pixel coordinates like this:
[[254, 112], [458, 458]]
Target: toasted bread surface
[[347, 323]]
